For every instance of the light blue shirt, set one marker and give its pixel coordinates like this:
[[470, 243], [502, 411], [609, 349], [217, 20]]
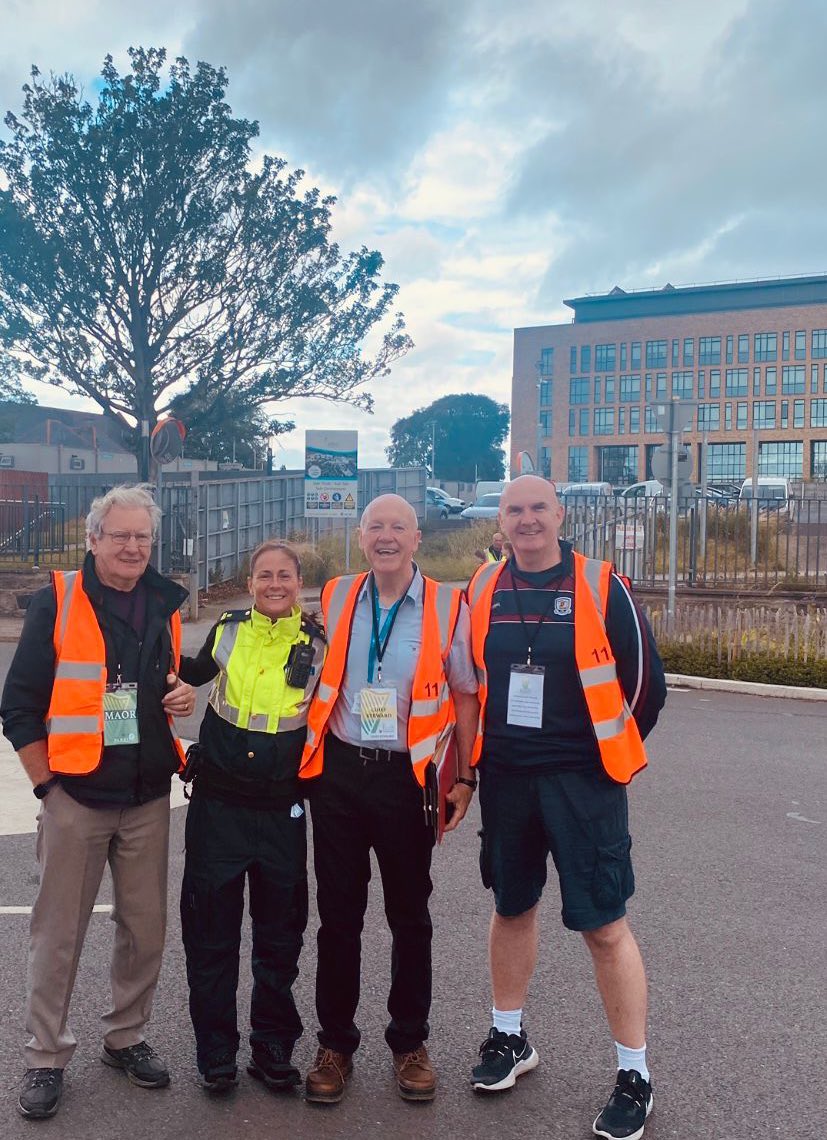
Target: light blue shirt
[[398, 662]]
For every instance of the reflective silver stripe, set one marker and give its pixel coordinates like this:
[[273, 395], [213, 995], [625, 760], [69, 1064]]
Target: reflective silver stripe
[[606, 729], [592, 573], [69, 580], [311, 736], [288, 723], [78, 671], [598, 675], [481, 579], [336, 604], [66, 725], [257, 722], [326, 692], [227, 637], [482, 674], [425, 708], [444, 605], [423, 749]]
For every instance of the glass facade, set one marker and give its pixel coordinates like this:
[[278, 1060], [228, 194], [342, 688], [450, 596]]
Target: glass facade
[[578, 464], [618, 465], [726, 461], [818, 459], [782, 457]]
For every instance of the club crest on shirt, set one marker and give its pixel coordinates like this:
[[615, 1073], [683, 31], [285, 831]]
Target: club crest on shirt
[[562, 606]]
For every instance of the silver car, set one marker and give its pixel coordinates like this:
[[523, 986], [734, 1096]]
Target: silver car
[[488, 507]]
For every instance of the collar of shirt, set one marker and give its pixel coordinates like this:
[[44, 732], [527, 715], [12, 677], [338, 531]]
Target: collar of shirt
[[412, 595], [279, 629]]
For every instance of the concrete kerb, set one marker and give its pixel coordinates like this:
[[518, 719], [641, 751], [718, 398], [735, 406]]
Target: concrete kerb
[[757, 688]]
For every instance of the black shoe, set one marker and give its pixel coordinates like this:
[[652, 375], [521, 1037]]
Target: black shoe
[[40, 1094], [141, 1064], [624, 1117], [220, 1075], [270, 1062], [503, 1058]]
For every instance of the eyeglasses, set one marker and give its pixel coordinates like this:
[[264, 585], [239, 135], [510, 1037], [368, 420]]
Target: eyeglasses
[[122, 537]]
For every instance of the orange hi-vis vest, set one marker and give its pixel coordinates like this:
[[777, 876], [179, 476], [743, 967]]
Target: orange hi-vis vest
[[432, 716], [74, 722], [618, 738]]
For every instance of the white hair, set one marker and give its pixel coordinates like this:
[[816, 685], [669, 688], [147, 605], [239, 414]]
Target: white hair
[[137, 496]]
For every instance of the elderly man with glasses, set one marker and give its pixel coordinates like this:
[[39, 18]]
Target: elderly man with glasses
[[88, 706]]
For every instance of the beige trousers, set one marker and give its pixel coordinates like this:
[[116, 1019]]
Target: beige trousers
[[74, 843]]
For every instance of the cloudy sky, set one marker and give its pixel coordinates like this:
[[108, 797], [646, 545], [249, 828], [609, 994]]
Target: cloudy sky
[[500, 156]]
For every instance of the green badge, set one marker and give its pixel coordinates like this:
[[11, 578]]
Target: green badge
[[120, 715]]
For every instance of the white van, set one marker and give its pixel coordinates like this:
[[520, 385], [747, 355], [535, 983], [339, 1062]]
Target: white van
[[772, 492], [648, 489], [489, 487], [575, 491]]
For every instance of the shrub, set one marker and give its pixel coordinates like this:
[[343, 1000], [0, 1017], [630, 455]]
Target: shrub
[[764, 667]]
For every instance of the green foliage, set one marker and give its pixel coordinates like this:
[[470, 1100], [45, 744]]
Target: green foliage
[[467, 432], [694, 661], [140, 255], [226, 427]]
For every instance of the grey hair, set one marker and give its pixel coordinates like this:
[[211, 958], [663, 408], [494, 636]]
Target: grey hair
[[137, 496]]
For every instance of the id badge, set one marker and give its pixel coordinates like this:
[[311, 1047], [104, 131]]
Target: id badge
[[377, 714], [120, 715], [525, 696]]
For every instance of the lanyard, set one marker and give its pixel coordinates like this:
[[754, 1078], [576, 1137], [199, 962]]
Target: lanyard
[[120, 639], [377, 644], [531, 640]]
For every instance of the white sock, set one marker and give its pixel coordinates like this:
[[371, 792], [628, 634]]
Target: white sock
[[507, 1020], [632, 1059]]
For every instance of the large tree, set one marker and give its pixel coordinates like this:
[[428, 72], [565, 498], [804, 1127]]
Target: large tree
[[455, 437], [226, 427], [142, 253]]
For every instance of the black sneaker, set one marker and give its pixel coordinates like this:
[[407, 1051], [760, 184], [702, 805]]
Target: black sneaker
[[141, 1064], [503, 1058], [270, 1062], [624, 1117], [220, 1075], [40, 1093]]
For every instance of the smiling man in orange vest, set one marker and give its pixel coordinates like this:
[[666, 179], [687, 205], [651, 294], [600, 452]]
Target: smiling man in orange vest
[[570, 683], [88, 706], [398, 681]]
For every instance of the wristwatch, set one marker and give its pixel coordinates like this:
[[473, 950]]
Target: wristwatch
[[472, 784], [42, 790]]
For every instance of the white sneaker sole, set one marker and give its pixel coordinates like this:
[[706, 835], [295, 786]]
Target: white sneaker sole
[[634, 1135], [508, 1082]]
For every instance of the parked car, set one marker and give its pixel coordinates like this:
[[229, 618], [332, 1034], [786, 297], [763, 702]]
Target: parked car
[[585, 492], [648, 489], [443, 502], [488, 507], [716, 495], [772, 493]]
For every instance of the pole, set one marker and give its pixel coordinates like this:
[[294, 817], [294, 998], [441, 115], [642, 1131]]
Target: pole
[[673, 520], [539, 434], [753, 505], [143, 455], [347, 546], [704, 477], [433, 450]]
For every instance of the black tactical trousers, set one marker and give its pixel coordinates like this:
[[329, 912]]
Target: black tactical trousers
[[224, 845]]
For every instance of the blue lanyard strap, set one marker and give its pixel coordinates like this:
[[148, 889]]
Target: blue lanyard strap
[[380, 637]]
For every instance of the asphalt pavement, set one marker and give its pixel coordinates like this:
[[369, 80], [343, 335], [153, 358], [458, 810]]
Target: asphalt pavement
[[730, 845]]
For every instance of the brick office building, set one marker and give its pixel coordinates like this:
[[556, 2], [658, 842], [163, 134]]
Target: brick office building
[[753, 355]]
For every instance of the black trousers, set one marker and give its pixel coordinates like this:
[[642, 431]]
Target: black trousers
[[224, 845], [356, 806]]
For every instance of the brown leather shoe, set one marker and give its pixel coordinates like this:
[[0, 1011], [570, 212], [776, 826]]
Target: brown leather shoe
[[415, 1076], [325, 1083]]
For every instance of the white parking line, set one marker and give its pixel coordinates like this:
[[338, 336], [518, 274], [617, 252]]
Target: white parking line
[[100, 908]]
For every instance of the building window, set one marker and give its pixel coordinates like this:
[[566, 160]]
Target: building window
[[801, 345], [545, 462], [546, 361], [629, 389], [763, 414], [818, 459], [688, 352], [785, 414], [793, 382], [701, 385], [709, 350], [726, 461], [618, 465], [756, 381], [813, 379], [609, 389], [635, 361], [818, 413], [660, 386], [741, 417], [573, 358], [572, 421], [578, 464], [819, 346], [585, 416], [714, 384], [785, 346], [771, 382], [621, 421], [781, 458], [545, 423], [798, 413], [728, 417], [586, 358], [634, 421], [743, 349], [604, 421], [709, 417], [655, 354], [683, 385], [604, 357], [623, 356], [597, 389], [579, 390], [649, 384], [729, 350], [676, 353], [545, 391], [650, 422], [766, 347], [736, 381]]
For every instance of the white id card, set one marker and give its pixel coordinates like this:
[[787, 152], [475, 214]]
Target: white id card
[[120, 715], [525, 695], [377, 714]]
